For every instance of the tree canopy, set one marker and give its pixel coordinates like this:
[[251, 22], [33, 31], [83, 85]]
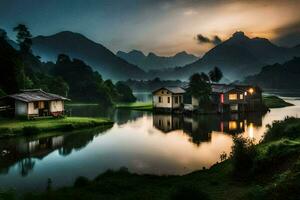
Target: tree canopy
[[215, 75], [23, 38], [199, 87]]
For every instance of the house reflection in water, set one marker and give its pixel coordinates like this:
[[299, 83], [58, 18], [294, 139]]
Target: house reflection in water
[[200, 128], [23, 152]]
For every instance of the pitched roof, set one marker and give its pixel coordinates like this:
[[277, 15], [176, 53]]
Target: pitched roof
[[35, 95], [174, 90], [223, 88]]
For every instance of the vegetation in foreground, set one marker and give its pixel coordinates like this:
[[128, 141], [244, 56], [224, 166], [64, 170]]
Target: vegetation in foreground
[[142, 106], [14, 127], [275, 102], [269, 170]]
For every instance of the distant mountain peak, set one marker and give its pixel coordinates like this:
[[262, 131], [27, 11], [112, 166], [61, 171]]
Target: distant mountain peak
[[151, 54], [238, 36]]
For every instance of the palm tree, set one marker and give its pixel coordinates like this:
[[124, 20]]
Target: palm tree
[[215, 75]]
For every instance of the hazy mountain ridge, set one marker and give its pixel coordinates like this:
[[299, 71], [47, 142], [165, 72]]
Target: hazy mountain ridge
[[237, 57], [155, 62], [278, 76], [78, 46]]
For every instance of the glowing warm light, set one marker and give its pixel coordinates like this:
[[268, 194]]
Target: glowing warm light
[[251, 131], [245, 93], [232, 125], [251, 90], [222, 98]]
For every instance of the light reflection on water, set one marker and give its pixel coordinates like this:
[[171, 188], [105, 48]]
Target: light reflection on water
[[142, 142]]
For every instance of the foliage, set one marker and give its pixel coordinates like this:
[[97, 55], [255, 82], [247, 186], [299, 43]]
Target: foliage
[[81, 182], [288, 128], [2, 93], [200, 88], [23, 38], [215, 74], [150, 85], [125, 93], [242, 155], [188, 192]]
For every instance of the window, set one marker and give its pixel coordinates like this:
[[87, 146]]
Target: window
[[241, 96], [232, 125], [233, 96], [160, 99], [36, 105], [180, 99], [168, 99], [176, 99]]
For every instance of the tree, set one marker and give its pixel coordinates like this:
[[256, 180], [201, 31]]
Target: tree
[[3, 34], [215, 75], [125, 92], [23, 38], [200, 88]]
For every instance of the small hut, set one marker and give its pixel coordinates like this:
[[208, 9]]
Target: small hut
[[33, 103]]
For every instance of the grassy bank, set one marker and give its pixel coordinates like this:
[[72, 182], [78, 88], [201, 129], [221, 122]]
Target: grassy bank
[[269, 170], [13, 127], [142, 106], [275, 102]]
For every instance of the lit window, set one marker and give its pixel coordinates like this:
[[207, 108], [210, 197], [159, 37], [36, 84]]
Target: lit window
[[232, 96], [232, 125], [241, 96], [251, 90]]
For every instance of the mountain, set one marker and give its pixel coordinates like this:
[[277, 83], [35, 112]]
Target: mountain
[[78, 46], [278, 76], [155, 62], [237, 57]]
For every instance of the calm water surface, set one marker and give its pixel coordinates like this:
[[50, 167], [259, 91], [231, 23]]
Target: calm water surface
[[140, 141]]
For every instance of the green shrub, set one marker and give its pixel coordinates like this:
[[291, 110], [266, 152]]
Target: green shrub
[[81, 182], [242, 155], [31, 130], [288, 128]]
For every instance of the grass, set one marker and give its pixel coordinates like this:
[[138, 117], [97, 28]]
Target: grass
[[275, 102], [142, 106], [274, 175], [14, 127]]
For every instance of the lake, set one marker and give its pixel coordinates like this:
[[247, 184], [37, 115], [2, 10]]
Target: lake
[[143, 142]]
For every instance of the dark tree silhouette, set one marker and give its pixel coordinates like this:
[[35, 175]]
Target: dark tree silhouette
[[215, 75], [3, 34], [23, 38], [199, 87]]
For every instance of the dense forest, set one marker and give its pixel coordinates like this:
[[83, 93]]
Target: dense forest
[[71, 78], [278, 76]]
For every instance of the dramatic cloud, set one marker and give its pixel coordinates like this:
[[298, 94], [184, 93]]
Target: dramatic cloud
[[171, 24], [288, 35], [203, 39]]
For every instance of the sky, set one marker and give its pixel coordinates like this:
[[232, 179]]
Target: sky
[[164, 27]]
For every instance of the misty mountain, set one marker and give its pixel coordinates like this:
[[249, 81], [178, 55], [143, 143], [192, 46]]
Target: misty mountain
[[154, 62], [237, 57], [278, 76], [78, 46]]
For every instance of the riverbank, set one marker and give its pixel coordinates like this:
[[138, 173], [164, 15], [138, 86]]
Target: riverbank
[[269, 170], [141, 106], [275, 102], [14, 127]]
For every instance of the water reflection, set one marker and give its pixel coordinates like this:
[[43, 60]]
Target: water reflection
[[142, 142], [200, 128], [25, 151]]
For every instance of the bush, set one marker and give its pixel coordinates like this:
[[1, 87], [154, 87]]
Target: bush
[[242, 155], [31, 130], [288, 128], [81, 182]]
